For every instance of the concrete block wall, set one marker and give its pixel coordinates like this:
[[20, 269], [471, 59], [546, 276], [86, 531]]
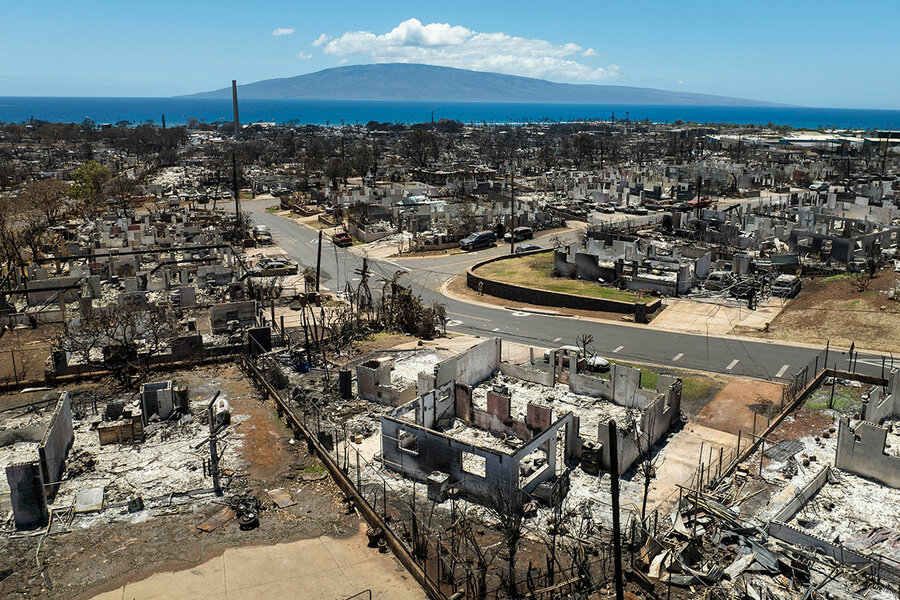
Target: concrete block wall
[[26, 494], [471, 367], [803, 495], [438, 452], [374, 383], [882, 405], [532, 374], [436, 406], [656, 420], [791, 535], [55, 445], [623, 386], [478, 362], [243, 312], [373, 374], [861, 450]]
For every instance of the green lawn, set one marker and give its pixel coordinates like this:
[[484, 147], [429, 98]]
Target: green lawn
[[534, 271], [692, 387]]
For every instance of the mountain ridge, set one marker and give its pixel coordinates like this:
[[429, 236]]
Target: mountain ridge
[[418, 83]]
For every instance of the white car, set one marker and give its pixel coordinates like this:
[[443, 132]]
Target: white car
[[594, 363]]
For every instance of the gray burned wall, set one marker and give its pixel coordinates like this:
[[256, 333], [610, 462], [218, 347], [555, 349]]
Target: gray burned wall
[[478, 472], [470, 367], [861, 450], [32, 483], [55, 444], [657, 419], [26, 494], [242, 312]]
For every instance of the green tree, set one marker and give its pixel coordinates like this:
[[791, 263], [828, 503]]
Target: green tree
[[87, 185]]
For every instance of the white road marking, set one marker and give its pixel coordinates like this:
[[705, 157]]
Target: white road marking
[[617, 349], [731, 364], [558, 340], [519, 313], [782, 370], [401, 267], [678, 356], [871, 362], [495, 329], [454, 323]]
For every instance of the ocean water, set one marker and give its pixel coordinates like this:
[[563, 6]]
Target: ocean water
[[332, 112]]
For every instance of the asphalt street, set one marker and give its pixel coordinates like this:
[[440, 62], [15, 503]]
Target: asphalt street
[[618, 341]]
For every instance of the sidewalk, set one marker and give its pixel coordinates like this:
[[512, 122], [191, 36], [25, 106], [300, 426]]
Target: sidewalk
[[323, 567]]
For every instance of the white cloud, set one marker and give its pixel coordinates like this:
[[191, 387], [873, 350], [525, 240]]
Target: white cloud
[[321, 40], [283, 31], [304, 55], [456, 46]]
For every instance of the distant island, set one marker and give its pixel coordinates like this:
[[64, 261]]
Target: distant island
[[416, 82]]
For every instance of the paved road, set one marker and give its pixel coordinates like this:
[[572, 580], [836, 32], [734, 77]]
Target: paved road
[[729, 355]]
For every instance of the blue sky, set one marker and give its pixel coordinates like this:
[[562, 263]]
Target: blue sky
[[824, 53]]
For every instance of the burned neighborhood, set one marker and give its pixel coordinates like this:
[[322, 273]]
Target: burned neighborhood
[[595, 359]]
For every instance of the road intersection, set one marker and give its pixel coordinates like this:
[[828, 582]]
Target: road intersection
[[428, 275]]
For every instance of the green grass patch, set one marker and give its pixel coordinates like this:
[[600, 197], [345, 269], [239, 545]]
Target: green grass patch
[[851, 303], [315, 468], [831, 278], [273, 209], [534, 272], [695, 388], [844, 402]]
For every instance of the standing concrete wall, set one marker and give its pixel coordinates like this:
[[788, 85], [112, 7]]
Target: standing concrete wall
[[883, 404], [861, 450], [655, 422], [26, 494], [437, 452], [221, 314], [471, 367], [55, 445]]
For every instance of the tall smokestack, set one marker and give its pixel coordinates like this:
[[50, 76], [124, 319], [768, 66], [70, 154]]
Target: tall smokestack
[[237, 121]]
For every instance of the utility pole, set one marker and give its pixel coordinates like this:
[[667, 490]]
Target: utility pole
[[319, 261], [236, 191], [512, 214], [614, 489]]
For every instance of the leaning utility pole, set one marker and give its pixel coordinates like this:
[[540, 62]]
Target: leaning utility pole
[[213, 450], [614, 488]]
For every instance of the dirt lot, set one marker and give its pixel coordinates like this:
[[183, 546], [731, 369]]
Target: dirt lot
[[736, 405], [29, 349], [95, 554], [834, 309]]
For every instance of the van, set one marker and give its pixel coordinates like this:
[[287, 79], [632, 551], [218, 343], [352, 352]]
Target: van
[[480, 239], [520, 234]]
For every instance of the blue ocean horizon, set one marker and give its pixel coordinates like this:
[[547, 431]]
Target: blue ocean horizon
[[177, 111]]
